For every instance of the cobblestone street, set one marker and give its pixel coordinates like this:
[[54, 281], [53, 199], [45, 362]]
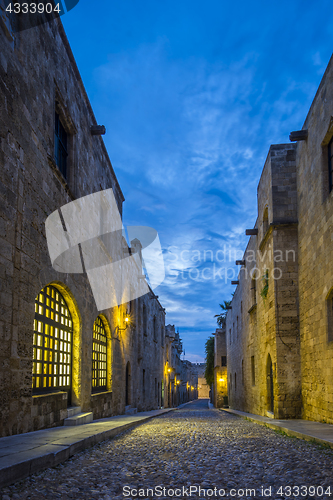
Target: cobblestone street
[[192, 446]]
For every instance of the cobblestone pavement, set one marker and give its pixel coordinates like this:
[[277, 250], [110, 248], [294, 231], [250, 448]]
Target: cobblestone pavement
[[194, 447]]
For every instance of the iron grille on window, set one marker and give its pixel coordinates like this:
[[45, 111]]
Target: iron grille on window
[[330, 163], [60, 146], [99, 356], [52, 342]]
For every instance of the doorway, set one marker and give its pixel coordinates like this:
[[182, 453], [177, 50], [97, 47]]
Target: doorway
[[270, 385], [128, 385]]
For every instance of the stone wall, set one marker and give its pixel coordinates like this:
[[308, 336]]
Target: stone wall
[[294, 324], [315, 214], [262, 326], [203, 388], [38, 78]]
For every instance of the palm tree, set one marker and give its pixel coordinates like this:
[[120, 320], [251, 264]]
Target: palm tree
[[222, 316]]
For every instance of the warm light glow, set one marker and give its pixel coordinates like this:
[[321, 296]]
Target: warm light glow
[[192, 387], [127, 319], [169, 370], [178, 382], [221, 380]]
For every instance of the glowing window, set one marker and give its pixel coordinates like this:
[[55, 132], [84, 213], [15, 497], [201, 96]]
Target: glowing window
[[99, 356], [51, 359]]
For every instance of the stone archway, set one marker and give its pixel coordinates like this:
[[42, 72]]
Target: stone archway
[[270, 384]]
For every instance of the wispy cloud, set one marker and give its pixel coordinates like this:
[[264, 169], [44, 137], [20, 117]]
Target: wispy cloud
[[191, 109]]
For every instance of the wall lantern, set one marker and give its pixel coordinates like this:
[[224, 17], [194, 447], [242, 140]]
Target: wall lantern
[[127, 321]]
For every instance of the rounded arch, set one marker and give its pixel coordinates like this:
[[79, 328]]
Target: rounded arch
[[53, 341], [100, 355], [270, 384], [107, 327], [77, 339]]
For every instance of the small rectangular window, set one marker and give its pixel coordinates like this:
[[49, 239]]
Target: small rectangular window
[[60, 146], [330, 163], [223, 360], [253, 371], [254, 290]]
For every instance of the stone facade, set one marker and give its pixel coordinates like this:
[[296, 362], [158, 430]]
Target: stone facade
[[279, 330], [40, 84], [203, 387], [315, 216], [220, 389], [180, 376]]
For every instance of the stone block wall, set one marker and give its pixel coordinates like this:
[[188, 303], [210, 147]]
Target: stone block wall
[[48, 410], [262, 326], [38, 78], [294, 324], [315, 214]]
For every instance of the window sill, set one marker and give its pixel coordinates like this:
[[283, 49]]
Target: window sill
[[102, 393], [50, 394]]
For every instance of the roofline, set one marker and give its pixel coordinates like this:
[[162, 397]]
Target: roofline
[[85, 96]]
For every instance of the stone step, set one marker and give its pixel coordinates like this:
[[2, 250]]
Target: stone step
[[73, 410], [130, 411], [79, 419]]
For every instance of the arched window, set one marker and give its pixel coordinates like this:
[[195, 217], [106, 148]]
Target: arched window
[[270, 384], [52, 343], [99, 356]]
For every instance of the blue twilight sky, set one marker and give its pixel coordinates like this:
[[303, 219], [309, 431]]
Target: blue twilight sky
[[192, 94]]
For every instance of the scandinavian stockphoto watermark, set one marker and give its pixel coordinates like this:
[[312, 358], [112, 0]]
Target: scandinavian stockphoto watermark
[[20, 15], [208, 265], [87, 235]]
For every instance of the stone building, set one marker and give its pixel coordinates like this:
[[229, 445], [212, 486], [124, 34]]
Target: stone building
[[279, 328], [203, 387], [60, 355], [180, 376], [220, 388]]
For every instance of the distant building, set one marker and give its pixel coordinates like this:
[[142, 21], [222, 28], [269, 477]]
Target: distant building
[[60, 356], [220, 391], [180, 376], [203, 387]]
